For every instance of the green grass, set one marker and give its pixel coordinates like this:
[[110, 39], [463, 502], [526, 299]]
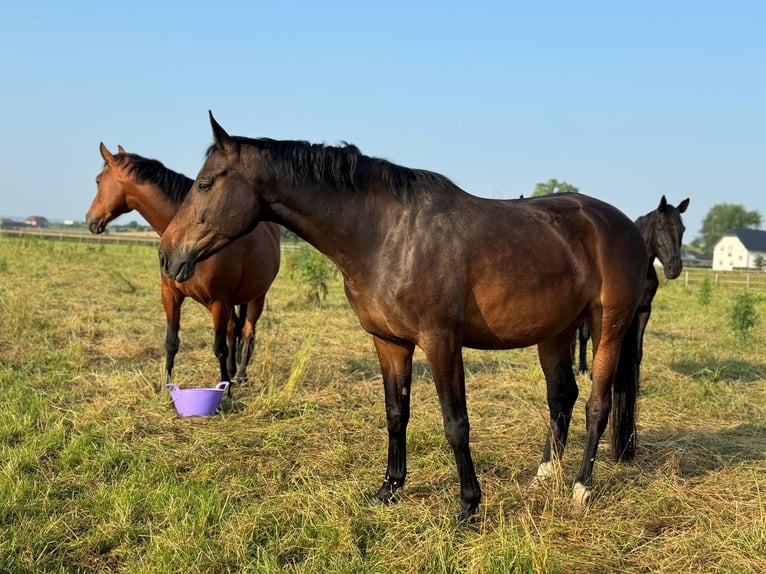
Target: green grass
[[98, 473]]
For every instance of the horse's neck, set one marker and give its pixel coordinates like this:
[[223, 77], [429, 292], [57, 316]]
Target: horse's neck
[[153, 204], [339, 224], [646, 225]]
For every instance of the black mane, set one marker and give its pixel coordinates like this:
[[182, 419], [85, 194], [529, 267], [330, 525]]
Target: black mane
[[645, 223], [173, 184], [344, 166]]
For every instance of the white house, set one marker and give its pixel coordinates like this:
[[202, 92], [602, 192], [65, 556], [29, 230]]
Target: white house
[[739, 249]]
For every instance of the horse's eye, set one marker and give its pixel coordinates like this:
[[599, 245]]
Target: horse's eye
[[203, 186]]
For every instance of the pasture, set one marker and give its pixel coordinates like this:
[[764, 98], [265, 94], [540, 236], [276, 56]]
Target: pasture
[[98, 473]]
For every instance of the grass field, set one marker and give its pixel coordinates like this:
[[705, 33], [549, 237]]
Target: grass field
[[98, 473]]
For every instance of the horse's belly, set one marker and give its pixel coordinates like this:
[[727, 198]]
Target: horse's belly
[[520, 322]]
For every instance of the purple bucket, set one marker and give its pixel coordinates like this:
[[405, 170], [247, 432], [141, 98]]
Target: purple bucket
[[197, 402]]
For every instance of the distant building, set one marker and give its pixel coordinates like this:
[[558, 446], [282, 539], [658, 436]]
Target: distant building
[[739, 249], [694, 259], [36, 221], [6, 223]]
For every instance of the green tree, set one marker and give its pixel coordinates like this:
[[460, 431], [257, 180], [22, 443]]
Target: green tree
[[553, 186], [720, 219]]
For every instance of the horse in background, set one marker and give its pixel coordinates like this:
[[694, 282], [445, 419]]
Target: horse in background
[[663, 230], [240, 275]]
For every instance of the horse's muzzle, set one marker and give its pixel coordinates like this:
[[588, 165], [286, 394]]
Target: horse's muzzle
[[96, 225], [673, 269], [178, 267]]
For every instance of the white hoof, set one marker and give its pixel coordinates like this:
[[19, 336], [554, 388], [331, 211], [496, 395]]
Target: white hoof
[[581, 495], [544, 472]]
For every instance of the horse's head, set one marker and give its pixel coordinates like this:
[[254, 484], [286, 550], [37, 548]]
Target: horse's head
[[223, 204], [110, 199], [668, 233]]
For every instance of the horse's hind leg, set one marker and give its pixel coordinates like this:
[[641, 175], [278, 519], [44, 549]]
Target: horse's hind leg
[[555, 360], [234, 337], [396, 368], [254, 311], [583, 334], [221, 313], [607, 343]]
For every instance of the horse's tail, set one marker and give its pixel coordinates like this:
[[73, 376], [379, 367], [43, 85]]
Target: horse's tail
[[624, 395]]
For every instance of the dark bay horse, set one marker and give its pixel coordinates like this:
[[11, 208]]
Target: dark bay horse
[[240, 274], [425, 263], [663, 230]]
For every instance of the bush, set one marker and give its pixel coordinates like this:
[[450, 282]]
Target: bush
[[315, 271], [744, 316], [705, 292]]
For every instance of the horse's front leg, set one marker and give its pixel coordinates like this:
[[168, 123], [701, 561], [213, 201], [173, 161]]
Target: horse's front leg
[[396, 368], [171, 303], [644, 311], [445, 358]]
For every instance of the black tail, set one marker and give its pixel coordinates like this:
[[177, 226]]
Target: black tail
[[624, 395]]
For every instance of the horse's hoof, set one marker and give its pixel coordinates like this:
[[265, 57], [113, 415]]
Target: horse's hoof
[[581, 495], [545, 471], [467, 513], [386, 493]]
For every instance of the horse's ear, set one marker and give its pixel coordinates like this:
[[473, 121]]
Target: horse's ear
[[106, 154], [663, 204], [683, 205], [120, 148], [223, 141]]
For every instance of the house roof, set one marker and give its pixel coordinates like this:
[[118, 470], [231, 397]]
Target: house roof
[[691, 257], [752, 239]]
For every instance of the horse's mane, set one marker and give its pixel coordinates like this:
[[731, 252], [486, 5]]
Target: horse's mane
[[343, 167], [645, 223], [173, 184]]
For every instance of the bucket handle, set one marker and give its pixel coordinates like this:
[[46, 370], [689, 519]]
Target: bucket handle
[[172, 387], [222, 386]]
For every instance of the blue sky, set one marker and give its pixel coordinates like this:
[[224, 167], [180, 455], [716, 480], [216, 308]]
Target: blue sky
[[625, 100]]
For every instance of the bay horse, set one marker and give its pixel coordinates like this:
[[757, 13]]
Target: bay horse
[[426, 264], [663, 230], [240, 274]]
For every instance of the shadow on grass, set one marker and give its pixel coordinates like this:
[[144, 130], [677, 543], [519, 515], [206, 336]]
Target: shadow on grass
[[369, 368], [728, 371], [704, 451]]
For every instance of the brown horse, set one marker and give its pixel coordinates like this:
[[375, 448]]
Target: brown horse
[[241, 274], [663, 230], [427, 264]]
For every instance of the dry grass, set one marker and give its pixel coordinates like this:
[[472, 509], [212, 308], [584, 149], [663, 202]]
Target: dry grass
[[99, 474]]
